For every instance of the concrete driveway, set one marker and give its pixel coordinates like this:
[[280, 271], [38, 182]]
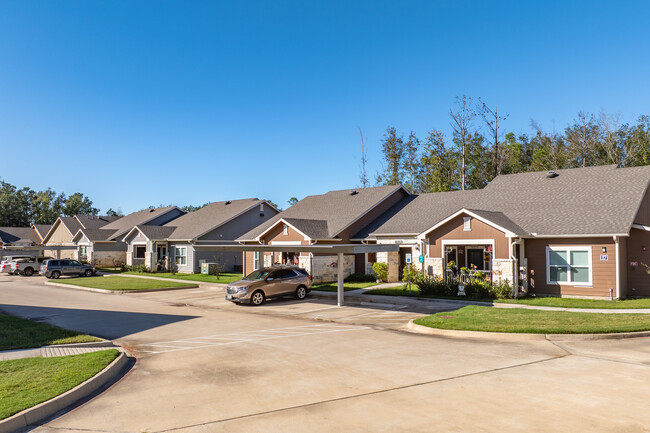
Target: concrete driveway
[[205, 365]]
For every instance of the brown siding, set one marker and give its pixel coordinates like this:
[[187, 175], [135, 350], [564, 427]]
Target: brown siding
[[372, 215], [603, 273], [276, 234], [643, 216], [637, 276], [454, 230]]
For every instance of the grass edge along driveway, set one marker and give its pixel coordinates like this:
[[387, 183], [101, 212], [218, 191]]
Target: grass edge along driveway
[[24, 383], [546, 301], [515, 320], [122, 283], [18, 333], [224, 277]]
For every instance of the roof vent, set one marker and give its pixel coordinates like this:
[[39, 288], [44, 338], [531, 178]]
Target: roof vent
[[354, 192], [152, 210], [228, 202], [551, 174]]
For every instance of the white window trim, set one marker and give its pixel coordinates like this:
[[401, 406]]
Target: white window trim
[[135, 254], [178, 256], [467, 224], [568, 250], [256, 260]]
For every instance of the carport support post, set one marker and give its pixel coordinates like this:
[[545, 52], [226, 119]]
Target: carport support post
[[339, 290]]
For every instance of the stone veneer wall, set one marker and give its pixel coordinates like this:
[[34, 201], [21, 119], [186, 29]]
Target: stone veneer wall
[[433, 266], [502, 270], [325, 269]]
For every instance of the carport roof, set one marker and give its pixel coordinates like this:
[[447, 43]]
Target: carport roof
[[332, 249]]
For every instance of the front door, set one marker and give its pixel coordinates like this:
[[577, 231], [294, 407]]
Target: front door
[[162, 257], [475, 258]]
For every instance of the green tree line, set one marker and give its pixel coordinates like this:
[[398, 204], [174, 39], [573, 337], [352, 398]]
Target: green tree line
[[21, 207], [480, 148]]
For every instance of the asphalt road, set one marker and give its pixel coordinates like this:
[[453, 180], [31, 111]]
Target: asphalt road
[[205, 365]]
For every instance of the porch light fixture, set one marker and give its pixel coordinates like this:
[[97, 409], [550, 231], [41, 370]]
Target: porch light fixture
[[604, 249]]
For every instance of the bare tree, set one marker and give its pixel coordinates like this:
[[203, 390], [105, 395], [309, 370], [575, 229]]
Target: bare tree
[[491, 118], [610, 138], [362, 176], [461, 120], [582, 137]]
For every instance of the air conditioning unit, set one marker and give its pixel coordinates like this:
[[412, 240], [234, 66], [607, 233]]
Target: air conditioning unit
[[209, 268]]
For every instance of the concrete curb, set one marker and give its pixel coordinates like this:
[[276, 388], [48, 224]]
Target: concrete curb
[[507, 336], [119, 292], [48, 408]]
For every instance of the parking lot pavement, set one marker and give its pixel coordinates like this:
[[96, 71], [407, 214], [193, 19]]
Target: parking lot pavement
[[230, 368]]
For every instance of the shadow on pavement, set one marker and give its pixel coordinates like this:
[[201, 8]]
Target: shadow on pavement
[[100, 323]]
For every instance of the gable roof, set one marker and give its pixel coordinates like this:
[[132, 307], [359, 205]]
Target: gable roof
[[583, 201], [93, 235], [42, 229], [153, 232], [325, 216], [195, 224], [14, 235], [123, 225]]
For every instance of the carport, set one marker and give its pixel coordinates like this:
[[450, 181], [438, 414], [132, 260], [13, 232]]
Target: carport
[[338, 250]]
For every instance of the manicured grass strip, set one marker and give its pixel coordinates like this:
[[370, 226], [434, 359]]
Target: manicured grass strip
[[333, 287], [121, 283], [415, 293], [17, 333], [546, 301], [224, 278], [490, 319], [24, 383], [581, 303]]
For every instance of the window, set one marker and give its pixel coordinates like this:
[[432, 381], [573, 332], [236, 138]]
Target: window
[[139, 251], [261, 207], [285, 230], [83, 251], [569, 265], [256, 260], [181, 255], [467, 224]]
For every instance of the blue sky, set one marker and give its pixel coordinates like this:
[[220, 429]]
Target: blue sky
[[139, 103]]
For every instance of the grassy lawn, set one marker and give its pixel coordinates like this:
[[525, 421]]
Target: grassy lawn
[[475, 318], [415, 293], [224, 278], [27, 382], [121, 283], [546, 301], [581, 303], [333, 287], [17, 333]]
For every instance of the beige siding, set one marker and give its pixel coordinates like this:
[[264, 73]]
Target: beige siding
[[60, 236], [454, 229], [603, 272]]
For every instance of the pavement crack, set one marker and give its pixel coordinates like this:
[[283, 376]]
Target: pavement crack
[[600, 358], [365, 394]]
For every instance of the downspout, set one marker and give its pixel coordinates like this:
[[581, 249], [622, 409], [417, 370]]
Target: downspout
[[618, 265], [515, 264]]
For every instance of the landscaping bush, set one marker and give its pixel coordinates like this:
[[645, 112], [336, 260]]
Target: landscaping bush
[[502, 290], [435, 286], [380, 270], [412, 271], [360, 278], [137, 268], [475, 288]]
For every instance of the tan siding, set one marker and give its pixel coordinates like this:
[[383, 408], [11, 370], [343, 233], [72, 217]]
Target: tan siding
[[603, 273], [277, 234], [454, 230], [638, 276], [60, 236], [643, 216]]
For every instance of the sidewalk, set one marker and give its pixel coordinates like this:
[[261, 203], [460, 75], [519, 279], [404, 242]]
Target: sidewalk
[[54, 351]]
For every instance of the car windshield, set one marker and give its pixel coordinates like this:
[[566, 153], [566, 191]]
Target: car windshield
[[260, 274]]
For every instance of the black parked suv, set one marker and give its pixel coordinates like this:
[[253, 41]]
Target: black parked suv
[[56, 268]]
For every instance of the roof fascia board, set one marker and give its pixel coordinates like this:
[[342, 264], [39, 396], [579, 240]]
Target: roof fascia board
[[638, 208], [130, 231], [508, 233], [373, 207], [593, 235], [282, 220], [641, 227]]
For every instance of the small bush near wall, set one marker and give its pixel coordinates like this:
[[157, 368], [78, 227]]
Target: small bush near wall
[[477, 288], [136, 268], [360, 278], [410, 273], [380, 270]]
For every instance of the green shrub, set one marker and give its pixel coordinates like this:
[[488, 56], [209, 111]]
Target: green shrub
[[380, 270], [360, 278], [435, 286], [410, 270], [502, 290], [137, 268]]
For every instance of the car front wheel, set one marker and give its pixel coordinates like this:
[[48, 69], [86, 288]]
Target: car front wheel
[[257, 298], [301, 292], [88, 273]]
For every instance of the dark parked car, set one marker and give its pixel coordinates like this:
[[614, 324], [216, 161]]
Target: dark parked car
[[56, 268], [269, 282]]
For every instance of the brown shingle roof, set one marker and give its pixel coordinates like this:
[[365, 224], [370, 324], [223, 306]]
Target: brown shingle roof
[[594, 200], [12, 235], [325, 216], [123, 225]]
